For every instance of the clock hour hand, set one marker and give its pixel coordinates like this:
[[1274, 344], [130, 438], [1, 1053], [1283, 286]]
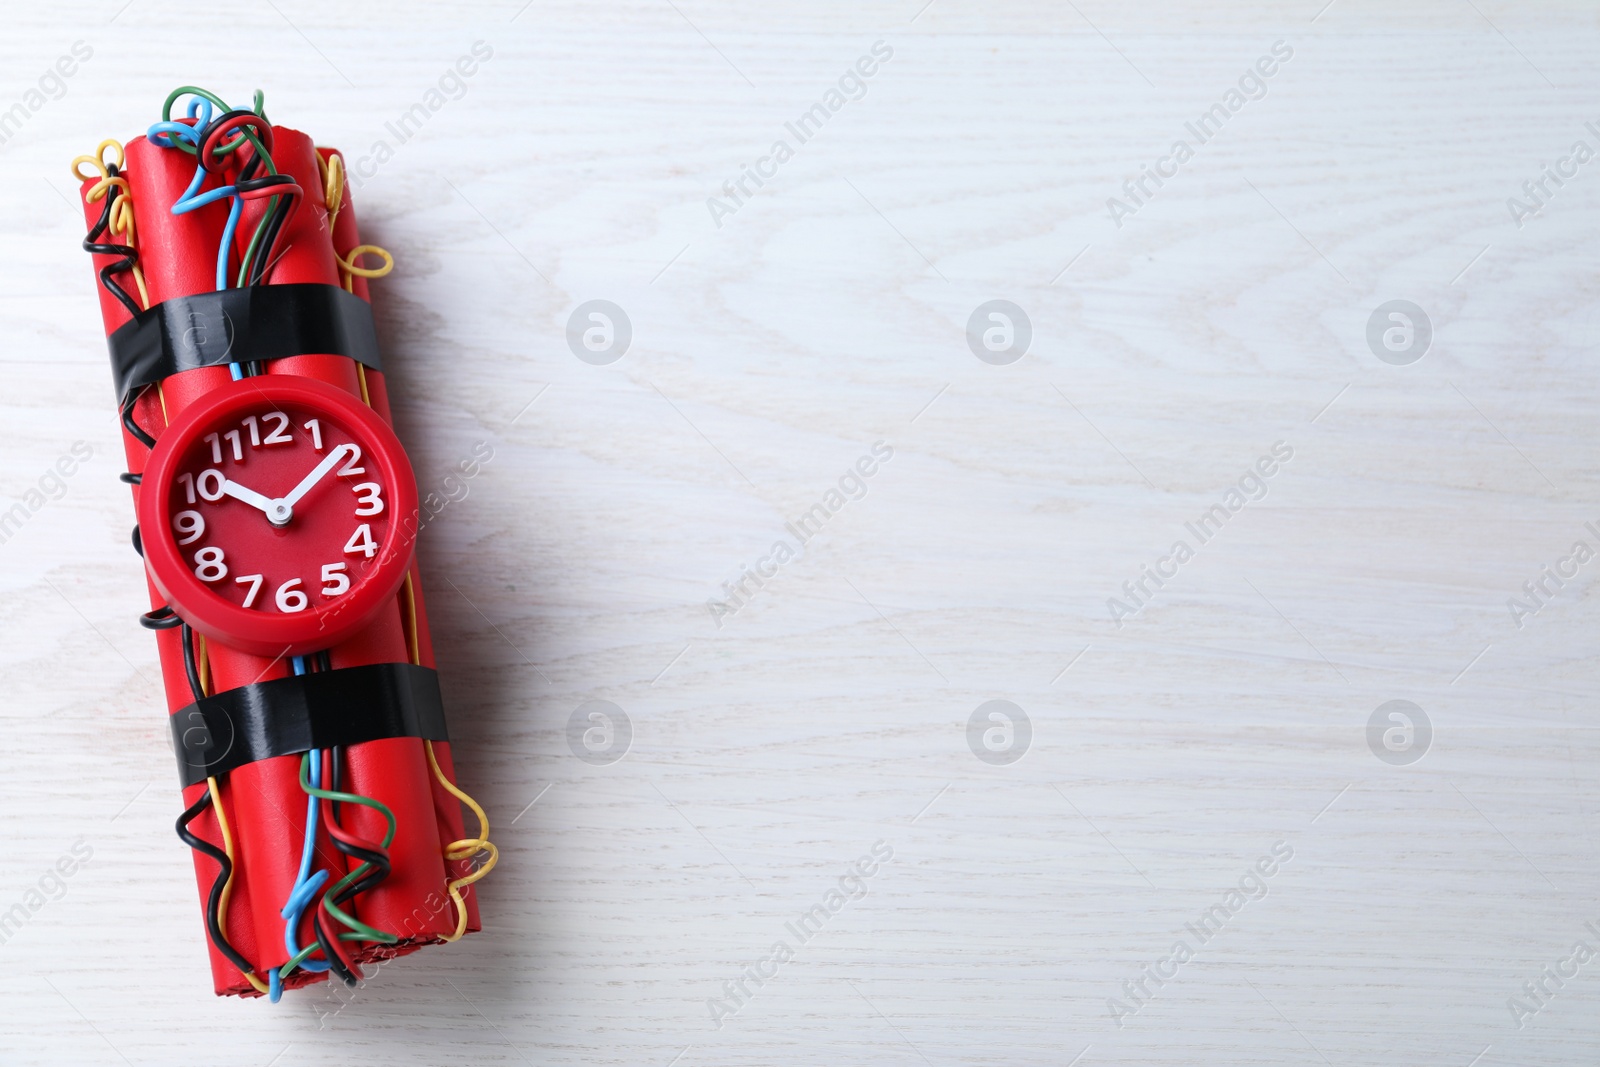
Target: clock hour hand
[[333, 459], [249, 496]]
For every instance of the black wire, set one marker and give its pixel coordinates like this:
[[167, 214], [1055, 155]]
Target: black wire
[[138, 545], [269, 238], [214, 900], [129, 254], [376, 857], [215, 163], [132, 426], [336, 776], [129, 478], [189, 667], [162, 618], [336, 966]]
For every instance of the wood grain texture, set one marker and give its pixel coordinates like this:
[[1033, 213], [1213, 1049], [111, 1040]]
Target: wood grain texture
[[831, 711]]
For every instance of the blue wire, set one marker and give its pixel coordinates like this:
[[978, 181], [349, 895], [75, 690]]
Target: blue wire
[[161, 135], [306, 884]]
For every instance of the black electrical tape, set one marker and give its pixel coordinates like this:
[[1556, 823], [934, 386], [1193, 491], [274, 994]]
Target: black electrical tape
[[238, 326], [296, 714]]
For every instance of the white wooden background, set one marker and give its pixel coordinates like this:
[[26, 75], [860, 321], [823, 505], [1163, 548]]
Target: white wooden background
[[831, 713]]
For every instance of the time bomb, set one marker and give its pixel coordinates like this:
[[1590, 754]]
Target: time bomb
[[277, 521]]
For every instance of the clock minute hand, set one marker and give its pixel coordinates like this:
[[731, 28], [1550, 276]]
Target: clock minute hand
[[316, 475]]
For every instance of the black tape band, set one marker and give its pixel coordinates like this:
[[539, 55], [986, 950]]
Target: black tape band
[[296, 714], [239, 325]]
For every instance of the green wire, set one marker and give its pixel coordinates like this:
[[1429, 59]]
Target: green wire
[[223, 150], [362, 930]]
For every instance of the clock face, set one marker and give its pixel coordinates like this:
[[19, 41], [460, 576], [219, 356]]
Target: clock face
[[278, 514]]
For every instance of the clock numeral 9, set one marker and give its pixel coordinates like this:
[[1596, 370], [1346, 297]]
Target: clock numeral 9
[[190, 525], [369, 498], [208, 565], [334, 579], [289, 598]]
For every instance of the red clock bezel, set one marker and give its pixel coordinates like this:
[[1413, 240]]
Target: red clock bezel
[[269, 633]]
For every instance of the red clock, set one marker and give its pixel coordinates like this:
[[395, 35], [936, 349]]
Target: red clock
[[278, 515]]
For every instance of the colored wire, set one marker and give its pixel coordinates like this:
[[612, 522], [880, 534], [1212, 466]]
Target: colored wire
[[374, 868], [131, 425], [332, 171], [372, 856], [222, 885], [305, 885], [190, 669], [218, 886], [162, 618], [117, 217], [169, 134], [412, 645], [227, 884], [212, 140], [464, 849]]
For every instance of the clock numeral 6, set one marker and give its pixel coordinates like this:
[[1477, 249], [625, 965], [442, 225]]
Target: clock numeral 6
[[208, 565], [190, 525], [361, 541], [334, 579], [369, 498], [290, 598]]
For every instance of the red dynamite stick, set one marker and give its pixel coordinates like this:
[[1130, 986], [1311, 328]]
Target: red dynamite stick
[[263, 799], [307, 254], [346, 236], [448, 815], [151, 176]]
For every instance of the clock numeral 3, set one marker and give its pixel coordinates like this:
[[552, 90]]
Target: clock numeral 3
[[369, 498]]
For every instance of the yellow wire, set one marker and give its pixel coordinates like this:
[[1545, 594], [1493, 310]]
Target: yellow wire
[[121, 223], [465, 848], [332, 170], [411, 623], [361, 376], [205, 668], [227, 887], [222, 823]]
